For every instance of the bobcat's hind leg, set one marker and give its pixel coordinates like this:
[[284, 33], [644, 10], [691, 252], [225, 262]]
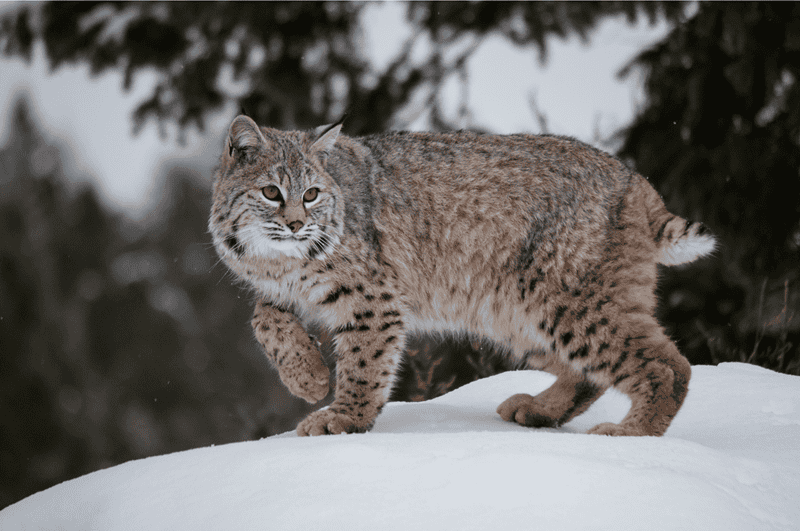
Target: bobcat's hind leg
[[655, 376], [570, 395]]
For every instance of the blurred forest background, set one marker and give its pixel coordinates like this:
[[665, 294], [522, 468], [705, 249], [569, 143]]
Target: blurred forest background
[[121, 340]]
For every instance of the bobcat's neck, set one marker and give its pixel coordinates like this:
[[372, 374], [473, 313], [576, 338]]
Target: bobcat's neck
[[303, 283]]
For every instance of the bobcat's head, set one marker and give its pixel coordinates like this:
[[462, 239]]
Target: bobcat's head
[[272, 196]]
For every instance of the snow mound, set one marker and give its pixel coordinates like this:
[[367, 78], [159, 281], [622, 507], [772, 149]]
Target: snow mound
[[730, 460]]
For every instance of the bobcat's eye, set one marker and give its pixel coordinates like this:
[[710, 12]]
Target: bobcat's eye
[[310, 194], [272, 193]]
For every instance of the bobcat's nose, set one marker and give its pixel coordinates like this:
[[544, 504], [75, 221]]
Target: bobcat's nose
[[295, 226]]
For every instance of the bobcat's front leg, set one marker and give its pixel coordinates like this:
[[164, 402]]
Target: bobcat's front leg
[[291, 350], [368, 351]]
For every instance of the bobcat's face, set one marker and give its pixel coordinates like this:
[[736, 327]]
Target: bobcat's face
[[283, 207], [272, 196]]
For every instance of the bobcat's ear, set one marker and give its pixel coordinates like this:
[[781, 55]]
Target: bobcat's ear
[[326, 136], [244, 137]]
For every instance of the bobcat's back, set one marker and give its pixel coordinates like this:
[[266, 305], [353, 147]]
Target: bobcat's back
[[455, 212]]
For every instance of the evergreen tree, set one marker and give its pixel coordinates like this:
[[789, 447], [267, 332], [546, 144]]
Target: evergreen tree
[[293, 64], [40, 364], [719, 136]]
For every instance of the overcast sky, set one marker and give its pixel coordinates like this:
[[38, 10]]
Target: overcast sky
[[577, 90]]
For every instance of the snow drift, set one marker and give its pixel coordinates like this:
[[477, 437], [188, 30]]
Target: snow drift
[[730, 460]]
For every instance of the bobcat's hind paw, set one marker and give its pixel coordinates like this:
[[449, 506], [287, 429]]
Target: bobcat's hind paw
[[526, 410], [616, 430], [327, 422]]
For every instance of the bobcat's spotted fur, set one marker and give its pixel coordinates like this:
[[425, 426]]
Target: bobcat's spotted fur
[[541, 244]]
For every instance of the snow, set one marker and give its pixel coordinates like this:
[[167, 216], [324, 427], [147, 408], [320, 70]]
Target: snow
[[730, 461]]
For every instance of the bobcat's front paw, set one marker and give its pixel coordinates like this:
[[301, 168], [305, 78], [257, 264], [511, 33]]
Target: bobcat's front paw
[[306, 377], [327, 422]]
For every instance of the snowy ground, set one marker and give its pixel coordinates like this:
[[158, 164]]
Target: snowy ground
[[730, 461]]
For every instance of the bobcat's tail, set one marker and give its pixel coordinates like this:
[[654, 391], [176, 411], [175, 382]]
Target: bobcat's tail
[[682, 241], [678, 240]]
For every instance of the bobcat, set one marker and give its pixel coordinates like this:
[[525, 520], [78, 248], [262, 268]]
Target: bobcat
[[543, 245]]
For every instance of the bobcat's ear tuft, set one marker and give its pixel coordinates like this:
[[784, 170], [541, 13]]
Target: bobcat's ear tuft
[[326, 136], [244, 137]]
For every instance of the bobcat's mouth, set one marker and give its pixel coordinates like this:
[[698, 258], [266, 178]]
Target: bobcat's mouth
[[310, 242]]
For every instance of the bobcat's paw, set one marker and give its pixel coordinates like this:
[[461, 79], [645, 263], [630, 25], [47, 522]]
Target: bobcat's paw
[[609, 428], [327, 422], [525, 410], [306, 378]]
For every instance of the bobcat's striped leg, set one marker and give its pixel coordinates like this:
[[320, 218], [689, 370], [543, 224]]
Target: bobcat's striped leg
[[291, 351], [570, 395], [655, 376], [368, 352]]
